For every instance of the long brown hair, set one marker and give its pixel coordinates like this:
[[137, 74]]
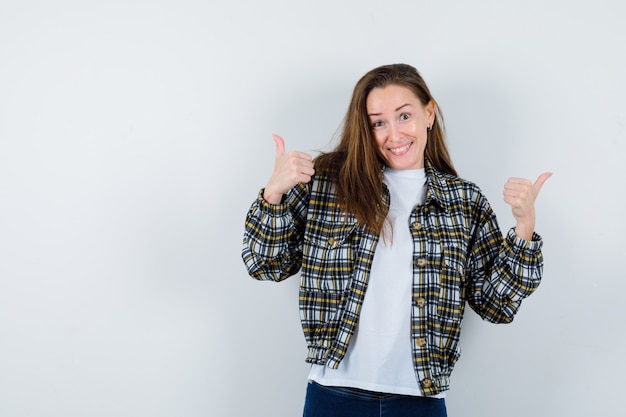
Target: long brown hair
[[355, 164]]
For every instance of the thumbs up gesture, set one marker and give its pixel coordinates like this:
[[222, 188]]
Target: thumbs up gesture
[[521, 194], [290, 168]]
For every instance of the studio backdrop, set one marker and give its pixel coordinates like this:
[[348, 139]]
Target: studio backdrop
[[134, 135]]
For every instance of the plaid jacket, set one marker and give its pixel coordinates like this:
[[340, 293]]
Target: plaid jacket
[[459, 257]]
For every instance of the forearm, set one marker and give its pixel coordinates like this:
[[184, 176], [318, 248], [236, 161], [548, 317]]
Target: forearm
[[272, 247], [515, 273]]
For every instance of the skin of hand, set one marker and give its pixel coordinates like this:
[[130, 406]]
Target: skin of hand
[[521, 194], [290, 168]]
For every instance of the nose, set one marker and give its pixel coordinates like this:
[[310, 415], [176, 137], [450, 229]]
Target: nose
[[394, 132]]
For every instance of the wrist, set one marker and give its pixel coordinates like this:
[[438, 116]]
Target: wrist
[[272, 197], [525, 231]]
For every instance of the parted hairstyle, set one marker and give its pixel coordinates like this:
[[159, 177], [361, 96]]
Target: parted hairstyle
[[355, 164]]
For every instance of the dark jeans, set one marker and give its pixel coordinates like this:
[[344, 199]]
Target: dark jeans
[[322, 401]]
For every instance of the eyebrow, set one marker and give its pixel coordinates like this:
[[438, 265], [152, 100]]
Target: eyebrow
[[378, 114]]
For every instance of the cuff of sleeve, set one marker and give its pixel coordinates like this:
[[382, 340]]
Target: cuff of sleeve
[[520, 245], [271, 209]]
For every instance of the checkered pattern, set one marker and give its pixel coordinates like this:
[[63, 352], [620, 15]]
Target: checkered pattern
[[459, 257]]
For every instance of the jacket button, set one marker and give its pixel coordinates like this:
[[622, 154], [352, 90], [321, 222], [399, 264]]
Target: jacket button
[[417, 226], [421, 262], [420, 302], [331, 241], [427, 383], [421, 341]]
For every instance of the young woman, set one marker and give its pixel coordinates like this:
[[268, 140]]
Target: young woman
[[392, 244]]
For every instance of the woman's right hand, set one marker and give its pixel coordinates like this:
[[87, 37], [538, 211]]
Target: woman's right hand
[[290, 169]]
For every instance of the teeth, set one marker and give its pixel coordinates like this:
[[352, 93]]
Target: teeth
[[400, 150]]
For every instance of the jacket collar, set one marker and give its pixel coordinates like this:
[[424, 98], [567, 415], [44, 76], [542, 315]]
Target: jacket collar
[[438, 189]]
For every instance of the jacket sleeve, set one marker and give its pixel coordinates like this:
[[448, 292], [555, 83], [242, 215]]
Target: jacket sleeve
[[503, 270], [272, 241]]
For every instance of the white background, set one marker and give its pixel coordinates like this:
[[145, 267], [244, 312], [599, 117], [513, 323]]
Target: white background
[[135, 134]]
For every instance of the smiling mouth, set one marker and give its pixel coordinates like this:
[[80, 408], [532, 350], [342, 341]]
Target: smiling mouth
[[401, 150]]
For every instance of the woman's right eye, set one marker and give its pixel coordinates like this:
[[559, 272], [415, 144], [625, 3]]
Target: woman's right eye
[[377, 124]]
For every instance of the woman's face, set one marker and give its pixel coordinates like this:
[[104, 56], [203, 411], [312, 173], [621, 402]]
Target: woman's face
[[399, 123]]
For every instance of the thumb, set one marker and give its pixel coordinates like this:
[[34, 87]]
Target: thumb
[[280, 145], [541, 180]]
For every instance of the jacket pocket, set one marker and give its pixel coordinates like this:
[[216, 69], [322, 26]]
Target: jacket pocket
[[328, 256]]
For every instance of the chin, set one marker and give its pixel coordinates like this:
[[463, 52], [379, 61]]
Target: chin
[[405, 165]]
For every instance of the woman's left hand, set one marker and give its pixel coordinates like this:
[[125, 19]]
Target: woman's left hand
[[521, 194]]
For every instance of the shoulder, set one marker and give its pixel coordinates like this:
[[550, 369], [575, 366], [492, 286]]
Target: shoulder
[[448, 182], [452, 190], [453, 182], [322, 186]]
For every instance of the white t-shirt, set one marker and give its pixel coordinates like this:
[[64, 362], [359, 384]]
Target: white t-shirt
[[379, 356]]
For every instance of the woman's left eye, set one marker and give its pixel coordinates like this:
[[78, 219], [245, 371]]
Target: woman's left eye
[[405, 116]]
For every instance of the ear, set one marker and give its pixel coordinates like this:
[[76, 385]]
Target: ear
[[430, 112]]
